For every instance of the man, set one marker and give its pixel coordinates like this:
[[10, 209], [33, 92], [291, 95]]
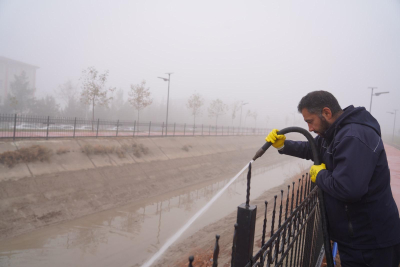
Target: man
[[362, 215]]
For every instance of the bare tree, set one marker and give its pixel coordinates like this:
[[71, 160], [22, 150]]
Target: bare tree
[[235, 107], [216, 109], [266, 120], [195, 102], [66, 92], [254, 115], [248, 114], [93, 89], [139, 97]]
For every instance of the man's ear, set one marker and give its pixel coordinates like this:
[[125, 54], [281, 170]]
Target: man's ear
[[327, 113]]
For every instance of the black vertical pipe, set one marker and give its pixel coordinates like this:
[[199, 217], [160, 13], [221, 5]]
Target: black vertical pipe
[[248, 186]]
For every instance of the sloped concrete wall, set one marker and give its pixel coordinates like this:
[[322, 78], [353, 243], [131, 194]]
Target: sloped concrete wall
[[74, 184]]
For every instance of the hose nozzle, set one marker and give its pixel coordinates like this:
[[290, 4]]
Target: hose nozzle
[[259, 153]]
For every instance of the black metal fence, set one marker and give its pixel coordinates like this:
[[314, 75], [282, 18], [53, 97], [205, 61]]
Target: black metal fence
[[27, 126], [294, 236]]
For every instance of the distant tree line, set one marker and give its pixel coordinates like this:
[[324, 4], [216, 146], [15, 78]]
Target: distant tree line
[[94, 99]]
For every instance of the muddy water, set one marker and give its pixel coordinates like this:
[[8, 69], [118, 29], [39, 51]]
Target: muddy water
[[129, 235]]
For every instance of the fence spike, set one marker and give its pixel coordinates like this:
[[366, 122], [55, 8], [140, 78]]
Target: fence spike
[[191, 259], [273, 216], [291, 205], [306, 188], [216, 252], [280, 211], [234, 243], [297, 194], [301, 190], [264, 225], [287, 202], [248, 186]]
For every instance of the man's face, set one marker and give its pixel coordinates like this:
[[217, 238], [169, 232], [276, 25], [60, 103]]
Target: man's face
[[315, 123]]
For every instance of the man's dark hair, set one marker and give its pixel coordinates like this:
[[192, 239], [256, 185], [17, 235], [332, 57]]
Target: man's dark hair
[[315, 101]]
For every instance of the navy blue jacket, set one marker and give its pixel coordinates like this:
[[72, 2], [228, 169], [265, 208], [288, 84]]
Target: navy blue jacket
[[360, 207]]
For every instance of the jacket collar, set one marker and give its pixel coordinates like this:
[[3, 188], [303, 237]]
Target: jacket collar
[[329, 134]]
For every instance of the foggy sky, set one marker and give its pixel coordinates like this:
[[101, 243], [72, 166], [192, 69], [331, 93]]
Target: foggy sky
[[267, 53]]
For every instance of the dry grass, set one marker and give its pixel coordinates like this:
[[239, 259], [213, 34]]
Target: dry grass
[[186, 147], [137, 149], [62, 150], [97, 149], [25, 155], [120, 152]]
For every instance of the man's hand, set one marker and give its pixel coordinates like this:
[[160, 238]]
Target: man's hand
[[315, 169], [276, 140]]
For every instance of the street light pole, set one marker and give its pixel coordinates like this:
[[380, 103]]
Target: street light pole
[[165, 80], [241, 109], [394, 123], [372, 94]]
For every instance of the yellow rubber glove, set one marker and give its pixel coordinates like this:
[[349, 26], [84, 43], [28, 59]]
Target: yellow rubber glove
[[276, 140], [315, 169]]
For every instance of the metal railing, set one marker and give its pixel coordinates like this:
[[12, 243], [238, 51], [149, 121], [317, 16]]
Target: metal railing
[[297, 239], [28, 126]]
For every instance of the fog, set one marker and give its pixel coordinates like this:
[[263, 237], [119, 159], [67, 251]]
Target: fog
[[266, 53]]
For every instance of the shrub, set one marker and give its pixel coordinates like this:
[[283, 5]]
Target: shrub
[[25, 155]]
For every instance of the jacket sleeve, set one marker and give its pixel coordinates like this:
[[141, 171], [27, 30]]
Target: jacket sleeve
[[354, 164], [298, 149]]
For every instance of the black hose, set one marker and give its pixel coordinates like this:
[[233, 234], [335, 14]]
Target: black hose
[[317, 161]]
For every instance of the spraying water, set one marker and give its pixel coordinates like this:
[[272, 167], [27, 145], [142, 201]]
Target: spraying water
[[171, 240]]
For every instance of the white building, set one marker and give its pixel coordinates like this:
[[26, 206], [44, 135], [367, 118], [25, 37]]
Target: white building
[[8, 69]]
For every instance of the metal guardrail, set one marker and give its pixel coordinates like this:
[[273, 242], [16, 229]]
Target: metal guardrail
[[297, 239], [27, 126]]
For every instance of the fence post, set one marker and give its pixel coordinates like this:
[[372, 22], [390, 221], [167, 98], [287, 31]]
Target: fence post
[[149, 127], [97, 131], [174, 128], [117, 127], [246, 221], [48, 124], [216, 130], [194, 127], [134, 128], [15, 125], [202, 129], [184, 129], [228, 130], [162, 129], [74, 127]]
